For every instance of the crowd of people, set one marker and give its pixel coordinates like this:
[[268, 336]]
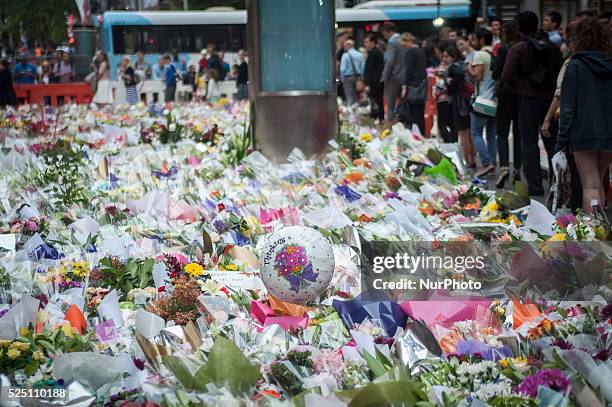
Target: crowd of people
[[203, 77], [550, 83]]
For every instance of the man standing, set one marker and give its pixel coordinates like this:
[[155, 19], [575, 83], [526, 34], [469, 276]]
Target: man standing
[[169, 79], [495, 24], [394, 73], [414, 88], [225, 68], [142, 67], [24, 72], [533, 64], [374, 64], [480, 70], [242, 79], [351, 69], [551, 24]]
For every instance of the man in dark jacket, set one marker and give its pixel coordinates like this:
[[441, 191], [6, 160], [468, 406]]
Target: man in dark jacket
[[375, 62], [393, 74], [533, 64]]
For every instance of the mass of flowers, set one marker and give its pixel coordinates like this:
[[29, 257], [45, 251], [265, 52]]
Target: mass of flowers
[[130, 245]]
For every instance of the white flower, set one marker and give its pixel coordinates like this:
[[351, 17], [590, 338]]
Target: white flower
[[172, 127]]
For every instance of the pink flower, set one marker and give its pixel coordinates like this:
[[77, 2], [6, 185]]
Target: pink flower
[[31, 226], [328, 361]]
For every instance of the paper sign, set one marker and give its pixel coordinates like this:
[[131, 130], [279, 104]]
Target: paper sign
[[109, 308], [148, 324], [20, 316], [8, 242], [160, 275]]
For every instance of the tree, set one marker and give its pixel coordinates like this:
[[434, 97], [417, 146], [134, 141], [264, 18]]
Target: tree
[[42, 21]]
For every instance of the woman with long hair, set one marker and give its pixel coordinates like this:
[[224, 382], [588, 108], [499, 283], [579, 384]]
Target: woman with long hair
[[103, 93], [507, 108], [128, 76], [459, 92], [585, 127]]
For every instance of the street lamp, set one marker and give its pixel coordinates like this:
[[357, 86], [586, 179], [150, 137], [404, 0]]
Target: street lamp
[[438, 21]]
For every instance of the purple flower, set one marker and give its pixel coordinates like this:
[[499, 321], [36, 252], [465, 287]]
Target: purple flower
[[139, 363], [606, 312], [603, 355], [566, 220], [551, 378], [562, 344]]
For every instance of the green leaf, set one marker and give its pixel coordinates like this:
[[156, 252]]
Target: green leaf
[[31, 368], [226, 363], [387, 394], [375, 365], [176, 365]]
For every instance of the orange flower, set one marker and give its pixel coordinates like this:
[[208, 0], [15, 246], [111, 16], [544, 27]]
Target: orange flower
[[364, 218]]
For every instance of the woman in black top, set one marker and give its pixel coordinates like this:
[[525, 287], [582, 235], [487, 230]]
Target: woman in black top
[[507, 107], [7, 92], [372, 72], [129, 80]]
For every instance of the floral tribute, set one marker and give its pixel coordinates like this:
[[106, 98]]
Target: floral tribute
[[292, 263]]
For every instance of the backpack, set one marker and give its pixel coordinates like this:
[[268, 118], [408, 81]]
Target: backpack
[[545, 63]]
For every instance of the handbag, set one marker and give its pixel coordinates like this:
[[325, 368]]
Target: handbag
[[482, 105], [417, 94], [359, 83], [92, 80]]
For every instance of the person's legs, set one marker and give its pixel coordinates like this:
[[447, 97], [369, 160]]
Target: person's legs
[[443, 118], [350, 90], [529, 128], [503, 129], [492, 139], [379, 98], [587, 163], [478, 124], [417, 111], [603, 164], [392, 90]]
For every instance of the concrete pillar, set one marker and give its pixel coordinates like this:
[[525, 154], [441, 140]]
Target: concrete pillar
[[291, 75], [531, 5]]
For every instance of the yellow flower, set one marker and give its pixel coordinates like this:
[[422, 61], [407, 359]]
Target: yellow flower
[[38, 355], [231, 267], [20, 345], [366, 137], [24, 331], [13, 353], [385, 133], [493, 206], [194, 269], [80, 268], [557, 237], [4, 343]]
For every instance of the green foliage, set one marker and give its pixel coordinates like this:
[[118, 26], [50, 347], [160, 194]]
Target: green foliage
[[238, 147], [172, 132], [61, 175], [226, 365], [42, 21], [134, 273]]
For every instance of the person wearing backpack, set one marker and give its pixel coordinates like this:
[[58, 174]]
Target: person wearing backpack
[[585, 125], [533, 64], [484, 105]]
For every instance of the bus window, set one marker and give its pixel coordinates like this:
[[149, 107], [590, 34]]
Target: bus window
[[236, 37], [148, 41]]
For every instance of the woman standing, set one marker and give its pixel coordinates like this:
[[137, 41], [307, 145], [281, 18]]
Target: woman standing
[[64, 72], [585, 128], [129, 80], [7, 92], [103, 93], [459, 92], [446, 126], [507, 108]]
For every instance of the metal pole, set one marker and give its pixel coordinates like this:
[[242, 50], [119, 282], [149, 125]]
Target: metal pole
[[185, 5], [484, 12]]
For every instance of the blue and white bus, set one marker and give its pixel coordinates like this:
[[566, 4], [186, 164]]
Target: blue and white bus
[[187, 33]]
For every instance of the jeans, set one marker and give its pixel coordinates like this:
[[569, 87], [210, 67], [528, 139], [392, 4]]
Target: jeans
[[532, 112], [243, 91], [487, 152], [393, 91], [350, 89]]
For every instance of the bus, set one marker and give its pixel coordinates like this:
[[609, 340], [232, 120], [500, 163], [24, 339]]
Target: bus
[[188, 32]]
